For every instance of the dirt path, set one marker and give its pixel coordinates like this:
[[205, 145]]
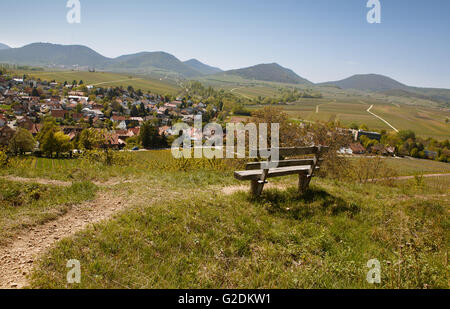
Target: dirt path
[[412, 177], [19, 256], [116, 81], [369, 111], [51, 182]]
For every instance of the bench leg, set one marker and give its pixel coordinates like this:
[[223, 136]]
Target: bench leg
[[303, 183], [256, 187]]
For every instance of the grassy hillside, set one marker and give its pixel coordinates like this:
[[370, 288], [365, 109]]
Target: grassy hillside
[[267, 72], [23, 206], [190, 224], [102, 79], [186, 237]]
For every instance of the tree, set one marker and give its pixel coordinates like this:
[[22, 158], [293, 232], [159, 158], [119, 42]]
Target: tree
[[48, 143], [354, 126], [49, 125], [406, 135], [364, 127], [63, 143], [22, 142], [79, 108], [35, 93], [134, 111], [414, 153], [90, 139], [150, 137]]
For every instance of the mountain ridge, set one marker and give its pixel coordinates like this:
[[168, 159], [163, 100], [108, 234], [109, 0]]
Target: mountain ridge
[[201, 67], [372, 82], [271, 72]]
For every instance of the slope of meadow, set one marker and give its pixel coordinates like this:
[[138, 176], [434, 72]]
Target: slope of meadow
[[190, 224], [103, 79]]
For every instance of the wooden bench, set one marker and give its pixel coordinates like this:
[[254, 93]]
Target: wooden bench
[[259, 172]]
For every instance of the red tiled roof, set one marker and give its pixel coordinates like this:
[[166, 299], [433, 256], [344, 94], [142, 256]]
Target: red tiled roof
[[58, 113]]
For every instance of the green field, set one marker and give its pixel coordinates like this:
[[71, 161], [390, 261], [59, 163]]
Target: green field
[[102, 79], [426, 122]]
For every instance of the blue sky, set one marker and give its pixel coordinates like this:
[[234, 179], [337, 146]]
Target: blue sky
[[320, 40]]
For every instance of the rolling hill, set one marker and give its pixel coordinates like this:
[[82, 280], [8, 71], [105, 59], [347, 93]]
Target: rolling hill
[[388, 86], [272, 72], [372, 82], [51, 54], [146, 62], [201, 67], [4, 46]]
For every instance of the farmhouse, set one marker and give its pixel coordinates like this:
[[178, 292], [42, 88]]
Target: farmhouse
[[371, 135], [3, 120], [6, 133], [357, 148]]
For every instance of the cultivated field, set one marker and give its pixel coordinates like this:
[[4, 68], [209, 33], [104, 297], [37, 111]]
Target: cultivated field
[[102, 79], [426, 122]]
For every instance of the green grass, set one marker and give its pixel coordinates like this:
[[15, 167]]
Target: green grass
[[321, 240], [103, 79], [426, 122], [182, 231], [26, 205], [141, 164], [409, 166]]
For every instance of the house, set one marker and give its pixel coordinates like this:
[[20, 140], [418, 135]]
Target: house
[[357, 148], [114, 141], [3, 120], [345, 151], [391, 150], [6, 133], [35, 128], [371, 135], [25, 123], [77, 116], [118, 119], [58, 113], [431, 154], [379, 149]]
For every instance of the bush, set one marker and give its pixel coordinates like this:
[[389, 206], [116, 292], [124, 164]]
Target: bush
[[3, 159], [366, 170]]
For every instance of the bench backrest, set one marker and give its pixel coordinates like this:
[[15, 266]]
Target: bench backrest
[[314, 162]]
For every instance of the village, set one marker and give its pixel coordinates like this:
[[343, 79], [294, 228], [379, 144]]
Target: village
[[119, 113], [25, 103]]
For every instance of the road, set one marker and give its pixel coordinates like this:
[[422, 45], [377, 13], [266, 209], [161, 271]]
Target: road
[[116, 81], [381, 118], [232, 90]]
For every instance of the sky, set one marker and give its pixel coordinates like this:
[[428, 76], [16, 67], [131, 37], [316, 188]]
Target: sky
[[321, 40]]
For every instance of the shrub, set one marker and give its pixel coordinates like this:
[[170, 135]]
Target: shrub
[[3, 159]]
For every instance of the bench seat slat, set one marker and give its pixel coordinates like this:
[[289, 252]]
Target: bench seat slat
[[284, 163], [275, 172]]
